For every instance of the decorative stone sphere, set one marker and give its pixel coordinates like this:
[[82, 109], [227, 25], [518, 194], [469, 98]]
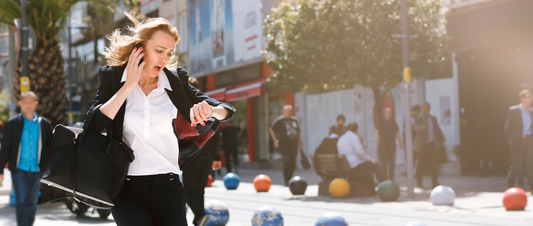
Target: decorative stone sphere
[[262, 183], [514, 199], [209, 181], [231, 181], [218, 213], [339, 188], [297, 185], [267, 216], [331, 219], [414, 224], [442, 195], [388, 191]]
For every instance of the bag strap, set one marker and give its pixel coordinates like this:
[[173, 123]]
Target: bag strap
[[80, 201], [79, 140], [90, 117]]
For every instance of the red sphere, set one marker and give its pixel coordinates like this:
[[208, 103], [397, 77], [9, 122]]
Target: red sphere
[[262, 183], [514, 199], [209, 181]]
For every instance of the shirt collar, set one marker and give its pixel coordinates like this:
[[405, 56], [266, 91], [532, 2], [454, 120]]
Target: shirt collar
[[162, 80], [522, 107], [34, 117], [349, 132]]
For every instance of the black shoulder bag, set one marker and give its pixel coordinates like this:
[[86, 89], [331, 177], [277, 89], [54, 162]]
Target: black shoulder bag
[[90, 165]]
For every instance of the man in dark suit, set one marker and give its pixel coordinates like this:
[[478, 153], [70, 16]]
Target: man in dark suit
[[27, 137], [518, 130], [429, 139]]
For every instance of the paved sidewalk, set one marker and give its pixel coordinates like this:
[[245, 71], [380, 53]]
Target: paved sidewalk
[[479, 202]]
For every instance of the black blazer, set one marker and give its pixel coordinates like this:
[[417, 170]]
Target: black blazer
[[11, 142], [514, 126], [183, 96]]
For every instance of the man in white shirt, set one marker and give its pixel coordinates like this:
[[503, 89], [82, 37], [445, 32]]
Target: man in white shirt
[[350, 146]]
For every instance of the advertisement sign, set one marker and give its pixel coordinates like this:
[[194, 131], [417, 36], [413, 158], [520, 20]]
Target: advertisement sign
[[248, 29], [222, 32]]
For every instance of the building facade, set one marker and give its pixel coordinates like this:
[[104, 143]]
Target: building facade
[[492, 45]]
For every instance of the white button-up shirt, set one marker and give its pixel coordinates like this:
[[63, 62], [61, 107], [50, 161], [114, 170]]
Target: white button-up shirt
[[350, 146], [148, 130]]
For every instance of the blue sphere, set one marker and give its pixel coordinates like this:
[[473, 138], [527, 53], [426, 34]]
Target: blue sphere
[[414, 224], [218, 213], [267, 216], [231, 181], [331, 219]]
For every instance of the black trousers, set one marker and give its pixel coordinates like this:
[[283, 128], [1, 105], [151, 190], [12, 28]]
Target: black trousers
[[151, 200], [427, 163], [231, 154], [387, 157], [521, 154], [288, 152], [368, 180], [194, 180]]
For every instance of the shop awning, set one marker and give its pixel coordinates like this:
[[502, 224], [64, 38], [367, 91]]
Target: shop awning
[[244, 92], [219, 94]]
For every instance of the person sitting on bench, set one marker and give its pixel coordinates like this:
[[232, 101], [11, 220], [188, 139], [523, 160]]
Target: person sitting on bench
[[328, 145], [360, 162]]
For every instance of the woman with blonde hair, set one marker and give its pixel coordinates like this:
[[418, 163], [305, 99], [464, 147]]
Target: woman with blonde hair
[[150, 106]]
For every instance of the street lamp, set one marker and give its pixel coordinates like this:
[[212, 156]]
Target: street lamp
[[69, 76]]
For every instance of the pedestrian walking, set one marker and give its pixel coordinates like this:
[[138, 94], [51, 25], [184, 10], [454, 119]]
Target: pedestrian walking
[[27, 137], [429, 139], [285, 132], [195, 176], [360, 162], [415, 112], [387, 133], [149, 107], [230, 144], [518, 131], [339, 128]]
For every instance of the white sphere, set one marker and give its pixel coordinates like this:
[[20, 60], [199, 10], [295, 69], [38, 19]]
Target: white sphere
[[442, 195]]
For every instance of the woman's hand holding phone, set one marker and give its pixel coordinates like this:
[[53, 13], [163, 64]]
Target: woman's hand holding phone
[[135, 66]]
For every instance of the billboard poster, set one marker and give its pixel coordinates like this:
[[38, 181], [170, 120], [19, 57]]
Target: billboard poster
[[219, 30]]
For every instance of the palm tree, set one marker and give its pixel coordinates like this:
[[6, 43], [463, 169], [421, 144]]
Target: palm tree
[[46, 71]]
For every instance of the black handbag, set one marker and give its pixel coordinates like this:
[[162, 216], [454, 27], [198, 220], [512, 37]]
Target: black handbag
[[90, 165], [304, 160]]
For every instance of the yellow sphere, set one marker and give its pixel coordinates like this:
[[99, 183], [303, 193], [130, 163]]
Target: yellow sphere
[[339, 188]]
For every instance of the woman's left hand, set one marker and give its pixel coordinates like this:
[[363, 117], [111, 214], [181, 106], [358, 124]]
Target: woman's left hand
[[200, 113]]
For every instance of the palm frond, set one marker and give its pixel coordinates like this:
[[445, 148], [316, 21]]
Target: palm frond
[[9, 11], [48, 17]]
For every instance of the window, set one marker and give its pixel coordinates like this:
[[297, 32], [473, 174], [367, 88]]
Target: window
[[184, 33]]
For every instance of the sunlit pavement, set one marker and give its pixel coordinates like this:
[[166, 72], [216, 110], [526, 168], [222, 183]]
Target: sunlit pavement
[[479, 202]]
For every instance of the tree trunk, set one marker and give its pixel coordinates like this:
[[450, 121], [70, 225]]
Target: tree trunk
[[47, 81]]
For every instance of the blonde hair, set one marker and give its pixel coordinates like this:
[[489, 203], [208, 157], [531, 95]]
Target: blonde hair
[[118, 53]]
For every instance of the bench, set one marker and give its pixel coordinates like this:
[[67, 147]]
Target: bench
[[332, 166]]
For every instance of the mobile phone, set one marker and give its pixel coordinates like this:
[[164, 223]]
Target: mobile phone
[[139, 45]]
